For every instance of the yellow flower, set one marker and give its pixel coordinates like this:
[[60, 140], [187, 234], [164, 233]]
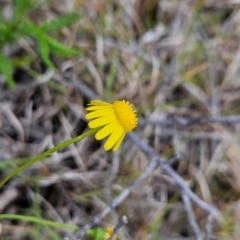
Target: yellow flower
[[109, 233], [114, 119]]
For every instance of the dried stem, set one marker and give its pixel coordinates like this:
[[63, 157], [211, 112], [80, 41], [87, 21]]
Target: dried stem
[[184, 122], [121, 222], [191, 217]]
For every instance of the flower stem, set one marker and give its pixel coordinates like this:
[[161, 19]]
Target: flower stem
[[47, 153], [38, 221]]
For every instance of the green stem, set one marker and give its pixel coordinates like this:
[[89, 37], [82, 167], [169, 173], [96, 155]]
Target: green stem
[[47, 153], [38, 221]]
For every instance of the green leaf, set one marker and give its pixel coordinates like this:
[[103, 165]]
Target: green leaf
[[61, 49], [7, 34], [28, 28], [6, 68], [44, 50], [61, 22], [20, 7], [97, 233], [46, 43], [21, 62]]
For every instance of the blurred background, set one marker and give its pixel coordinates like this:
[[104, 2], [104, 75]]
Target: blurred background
[[169, 58]]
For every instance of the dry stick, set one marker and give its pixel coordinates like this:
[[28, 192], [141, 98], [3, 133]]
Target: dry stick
[[191, 121], [155, 162], [117, 201], [121, 222], [208, 227], [179, 181], [191, 217]]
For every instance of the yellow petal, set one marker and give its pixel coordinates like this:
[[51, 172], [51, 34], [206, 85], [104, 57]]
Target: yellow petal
[[117, 145], [97, 108], [105, 131], [102, 121], [109, 233], [100, 113], [99, 103], [116, 134]]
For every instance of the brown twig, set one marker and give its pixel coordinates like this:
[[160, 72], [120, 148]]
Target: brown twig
[[184, 122], [191, 217], [121, 222]]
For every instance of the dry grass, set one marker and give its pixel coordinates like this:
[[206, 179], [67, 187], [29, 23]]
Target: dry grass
[[170, 59]]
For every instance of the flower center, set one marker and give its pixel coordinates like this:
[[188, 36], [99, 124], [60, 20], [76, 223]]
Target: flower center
[[125, 115]]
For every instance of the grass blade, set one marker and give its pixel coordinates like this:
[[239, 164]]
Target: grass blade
[[38, 221], [6, 68]]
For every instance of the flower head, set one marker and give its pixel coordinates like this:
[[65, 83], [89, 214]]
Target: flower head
[[114, 119], [109, 233]]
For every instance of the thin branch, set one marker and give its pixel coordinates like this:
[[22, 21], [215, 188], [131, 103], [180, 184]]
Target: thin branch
[[184, 122], [122, 221], [116, 202], [168, 170], [191, 217], [208, 227]]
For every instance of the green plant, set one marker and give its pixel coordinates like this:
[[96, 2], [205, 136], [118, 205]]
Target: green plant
[[21, 26]]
